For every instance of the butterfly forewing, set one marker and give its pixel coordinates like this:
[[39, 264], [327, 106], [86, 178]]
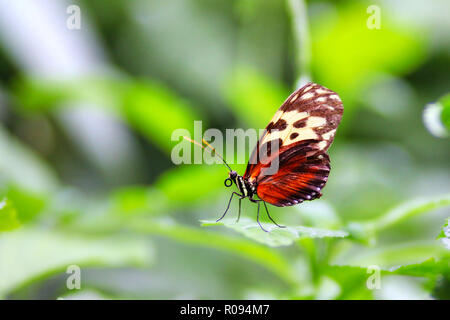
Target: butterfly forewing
[[303, 129]]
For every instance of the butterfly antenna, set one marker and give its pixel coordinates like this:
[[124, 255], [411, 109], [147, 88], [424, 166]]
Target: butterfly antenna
[[214, 152]]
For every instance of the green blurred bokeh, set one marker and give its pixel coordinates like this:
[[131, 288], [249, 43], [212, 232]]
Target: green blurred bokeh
[[86, 123]]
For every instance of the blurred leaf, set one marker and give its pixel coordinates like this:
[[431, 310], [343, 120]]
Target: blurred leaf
[[352, 281], [138, 200], [8, 216], [389, 96], [436, 117], [444, 235], [346, 66], [86, 294], [319, 213], [22, 168], [393, 254], [276, 236], [28, 204], [36, 94], [246, 249], [436, 270], [367, 229], [157, 112], [187, 184], [445, 115], [441, 288], [250, 93], [30, 253], [430, 268], [445, 232], [149, 107]]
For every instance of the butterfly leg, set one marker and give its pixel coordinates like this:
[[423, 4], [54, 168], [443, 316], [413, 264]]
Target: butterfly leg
[[239, 214], [257, 218], [265, 205], [228, 207]]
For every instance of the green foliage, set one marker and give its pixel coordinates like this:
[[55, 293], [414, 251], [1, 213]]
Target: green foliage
[[430, 268], [259, 254], [143, 234], [32, 253], [184, 185], [444, 235], [366, 230], [8, 216], [156, 112], [445, 114], [145, 105], [250, 93], [346, 65], [19, 166], [275, 236]]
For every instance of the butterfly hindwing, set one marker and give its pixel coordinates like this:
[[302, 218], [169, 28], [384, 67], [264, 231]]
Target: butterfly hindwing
[[304, 128], [299, 178]]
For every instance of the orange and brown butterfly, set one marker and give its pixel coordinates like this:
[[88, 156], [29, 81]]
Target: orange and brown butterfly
[[302, 131]]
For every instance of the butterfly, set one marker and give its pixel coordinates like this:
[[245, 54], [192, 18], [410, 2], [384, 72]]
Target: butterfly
[[301, 130]]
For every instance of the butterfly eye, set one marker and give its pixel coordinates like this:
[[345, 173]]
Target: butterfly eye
[[228, 182]]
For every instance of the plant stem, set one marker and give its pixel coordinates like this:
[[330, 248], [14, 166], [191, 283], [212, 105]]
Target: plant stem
[[302, 41]]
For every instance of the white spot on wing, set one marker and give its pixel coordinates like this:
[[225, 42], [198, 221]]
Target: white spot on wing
[[294, 98], [293, 116], [304, 134], [329, 134], [322, 145], [307, 96], [315, 122], [308, 88], [321, 91], [334, 97]]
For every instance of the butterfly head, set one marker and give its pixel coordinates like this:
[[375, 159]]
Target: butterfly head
[[231, 178]]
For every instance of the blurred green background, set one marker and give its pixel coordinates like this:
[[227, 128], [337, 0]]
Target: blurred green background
[[86, 177]]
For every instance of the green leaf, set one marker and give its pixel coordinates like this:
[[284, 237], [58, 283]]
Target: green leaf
[[445, 114], [157, 112], [353, 279], [249, 93], [187, 184], [42, 95], [430, 268], [28, 204], [276, 236], [444, 235], [394, 49], [261, 255], [29, 253], [133, 200], [8, 216], [146, 105]]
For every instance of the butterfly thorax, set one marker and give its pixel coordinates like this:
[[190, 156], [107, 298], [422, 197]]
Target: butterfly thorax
[[246, 188]]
